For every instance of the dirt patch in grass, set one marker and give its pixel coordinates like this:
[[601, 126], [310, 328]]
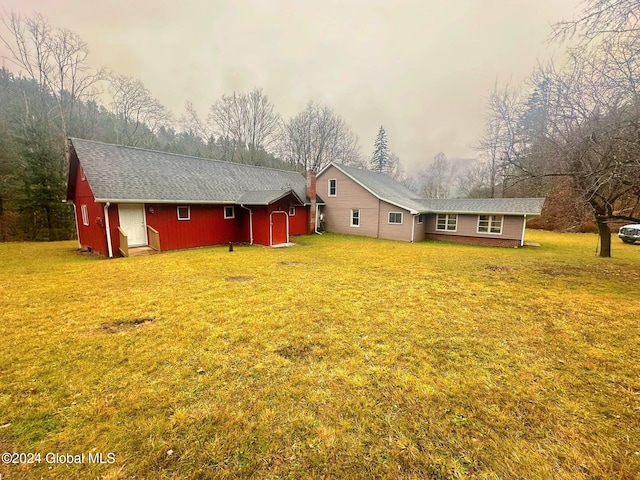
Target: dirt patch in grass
[[290, 264], [125, 325], [239, 278], [498, 268], [307, 351]]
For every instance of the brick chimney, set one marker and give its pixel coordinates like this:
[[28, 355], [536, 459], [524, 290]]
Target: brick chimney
[[311, 193]]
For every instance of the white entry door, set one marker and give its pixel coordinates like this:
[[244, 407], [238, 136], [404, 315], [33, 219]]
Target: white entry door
[[133, 224]]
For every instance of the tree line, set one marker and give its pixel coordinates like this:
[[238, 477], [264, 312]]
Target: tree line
[[50, 93]]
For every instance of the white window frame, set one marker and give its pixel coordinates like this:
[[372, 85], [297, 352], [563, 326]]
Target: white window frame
[[85, 215], [357, 211], [420, 218], [448, 218], [395, 223], [490, 220], [182, 218], [233, 212], [292, 211], [335, 187]]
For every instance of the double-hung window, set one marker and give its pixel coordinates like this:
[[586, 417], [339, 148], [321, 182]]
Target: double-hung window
[[355, 217], [447, 222], [333, 187]]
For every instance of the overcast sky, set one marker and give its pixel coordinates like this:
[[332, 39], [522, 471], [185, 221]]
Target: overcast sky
[[420, 68]]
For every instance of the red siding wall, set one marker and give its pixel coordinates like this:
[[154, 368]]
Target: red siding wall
[[207, 226], [92, 236], [298, 223]]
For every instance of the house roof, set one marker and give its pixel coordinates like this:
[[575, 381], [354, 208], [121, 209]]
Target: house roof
[[264, 197], [499, 206], [383, 187], [387, 189], [127, 174]]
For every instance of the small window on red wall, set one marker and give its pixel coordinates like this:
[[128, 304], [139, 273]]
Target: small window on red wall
[[184, 213], [85, 215], [229, 212], [292, 211]]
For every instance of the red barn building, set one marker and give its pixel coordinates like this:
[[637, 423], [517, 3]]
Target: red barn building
[[126, 197]]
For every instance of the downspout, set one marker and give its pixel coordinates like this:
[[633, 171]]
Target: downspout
[[75, 217], [250, 224], [317, 216], [413, 227], [524, 226], [108, 228]]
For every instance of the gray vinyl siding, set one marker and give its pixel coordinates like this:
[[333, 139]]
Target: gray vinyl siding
[[468, 227], [349, 195], [394, 231], [374, 213]]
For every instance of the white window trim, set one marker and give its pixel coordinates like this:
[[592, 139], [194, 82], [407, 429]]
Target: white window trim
[[292, 211], [395, 223], [335, 194], [188, 213], [359, 217], [85, 215], [233, 212], [491, 219], [447, 215], [420, 218]]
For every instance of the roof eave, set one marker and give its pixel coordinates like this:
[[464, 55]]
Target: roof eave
[[480, 212], [394, 203]]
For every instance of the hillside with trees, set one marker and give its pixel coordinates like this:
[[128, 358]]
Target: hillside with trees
[[50, 92]]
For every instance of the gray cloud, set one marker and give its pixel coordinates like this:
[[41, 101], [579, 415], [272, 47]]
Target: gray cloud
[[420, 68]]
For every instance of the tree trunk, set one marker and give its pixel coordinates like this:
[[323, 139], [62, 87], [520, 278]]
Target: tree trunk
[[605, 237]]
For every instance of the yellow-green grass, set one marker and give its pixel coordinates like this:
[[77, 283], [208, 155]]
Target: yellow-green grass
[[341, 357]]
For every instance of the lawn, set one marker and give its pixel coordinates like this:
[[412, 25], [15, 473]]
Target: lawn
[[341, 357]]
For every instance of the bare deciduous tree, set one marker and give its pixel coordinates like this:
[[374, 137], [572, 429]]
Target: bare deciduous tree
[[499, 143], [136, 109], [600, 18], [56, 59], [246, 124], [438, 177], [316, 137]]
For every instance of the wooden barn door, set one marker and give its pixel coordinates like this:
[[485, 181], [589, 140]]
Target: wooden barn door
[[133, 223], [279, 228]]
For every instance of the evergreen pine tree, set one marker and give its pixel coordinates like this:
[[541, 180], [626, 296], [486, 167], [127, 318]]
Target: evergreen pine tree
[[380, 161]]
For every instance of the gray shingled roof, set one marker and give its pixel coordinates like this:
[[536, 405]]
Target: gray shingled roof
[[127, 174], [265, 197], [387, 189], [504, 206], [384, 187]]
